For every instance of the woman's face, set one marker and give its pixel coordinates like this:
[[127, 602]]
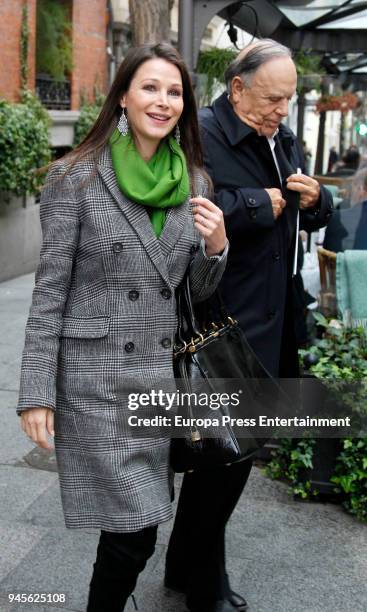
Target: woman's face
[[154, 103]]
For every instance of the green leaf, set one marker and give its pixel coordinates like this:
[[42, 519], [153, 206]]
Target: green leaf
[[320, 319], [53, 41]]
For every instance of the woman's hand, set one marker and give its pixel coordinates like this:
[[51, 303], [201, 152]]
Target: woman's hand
[[36, 423], [208, 219]]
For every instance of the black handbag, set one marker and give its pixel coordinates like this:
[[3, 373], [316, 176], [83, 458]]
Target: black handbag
[[205, 356]]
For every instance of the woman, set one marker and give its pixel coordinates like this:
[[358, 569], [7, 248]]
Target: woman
[[118, 235]]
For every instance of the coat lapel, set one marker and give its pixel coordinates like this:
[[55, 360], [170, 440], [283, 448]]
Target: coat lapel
[[174, 226], [292, 197], [261, 150], [137, 217]]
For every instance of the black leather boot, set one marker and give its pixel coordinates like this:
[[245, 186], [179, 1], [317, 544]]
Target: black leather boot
[[238, 603], [223, 605], [120, 559]]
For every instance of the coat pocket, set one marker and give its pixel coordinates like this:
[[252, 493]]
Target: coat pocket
[[78, 327]]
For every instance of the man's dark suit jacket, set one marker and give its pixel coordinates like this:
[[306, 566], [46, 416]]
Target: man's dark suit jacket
[[256, 285]]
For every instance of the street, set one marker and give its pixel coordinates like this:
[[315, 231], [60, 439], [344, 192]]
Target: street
[[283, 555]]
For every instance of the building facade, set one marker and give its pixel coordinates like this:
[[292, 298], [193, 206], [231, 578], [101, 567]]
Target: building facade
[[89, 20]]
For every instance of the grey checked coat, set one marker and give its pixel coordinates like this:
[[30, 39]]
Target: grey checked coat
[[102, 323]]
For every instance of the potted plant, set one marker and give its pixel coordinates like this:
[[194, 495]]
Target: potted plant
[[212, 64], [344, 102], [315, 467]]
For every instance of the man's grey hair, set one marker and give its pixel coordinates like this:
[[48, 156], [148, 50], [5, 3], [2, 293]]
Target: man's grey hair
[[245, 65]]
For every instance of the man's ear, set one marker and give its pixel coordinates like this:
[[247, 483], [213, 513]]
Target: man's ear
[[237, 89]]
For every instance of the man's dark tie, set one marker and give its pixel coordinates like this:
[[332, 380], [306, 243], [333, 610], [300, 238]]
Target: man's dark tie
[[291, 197]]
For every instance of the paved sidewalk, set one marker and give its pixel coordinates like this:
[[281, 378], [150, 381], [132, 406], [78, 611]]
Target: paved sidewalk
[[284, 556]]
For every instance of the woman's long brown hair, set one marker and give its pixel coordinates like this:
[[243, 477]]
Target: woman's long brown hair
[[107, 120]]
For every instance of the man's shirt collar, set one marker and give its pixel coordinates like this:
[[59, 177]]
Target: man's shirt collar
[[271, 139]]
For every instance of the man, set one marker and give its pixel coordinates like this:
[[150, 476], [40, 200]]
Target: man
[[349, 165], [333, 158], [347, 229], [253, 160]]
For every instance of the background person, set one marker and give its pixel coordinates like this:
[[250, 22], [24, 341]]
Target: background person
[[118, 236], [348, 165], [252, 159], [348, 226], [333, 158]]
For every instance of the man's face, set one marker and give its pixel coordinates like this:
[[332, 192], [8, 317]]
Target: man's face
[[264, 103]]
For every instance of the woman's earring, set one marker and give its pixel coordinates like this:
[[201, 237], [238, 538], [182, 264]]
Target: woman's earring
[[177, 134], [123, 126]]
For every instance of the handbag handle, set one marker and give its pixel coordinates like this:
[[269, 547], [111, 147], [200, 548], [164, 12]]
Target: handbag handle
[[187, 324], [189, 306], [180, 316], [187, 321], [222, 307]]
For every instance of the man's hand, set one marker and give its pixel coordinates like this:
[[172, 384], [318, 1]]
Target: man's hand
[[277, 201], [36, 423], [307, 187], [208, 219]]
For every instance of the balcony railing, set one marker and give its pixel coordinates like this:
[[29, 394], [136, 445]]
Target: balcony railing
[[55, 95]]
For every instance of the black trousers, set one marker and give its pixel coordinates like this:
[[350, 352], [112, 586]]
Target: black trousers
[[196, 552], [120, 559]]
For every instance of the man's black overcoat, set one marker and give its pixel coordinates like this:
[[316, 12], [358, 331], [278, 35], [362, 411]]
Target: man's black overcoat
[[256, 285]]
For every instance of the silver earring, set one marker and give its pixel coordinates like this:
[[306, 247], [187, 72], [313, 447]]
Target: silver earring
[[123, 126], [177, 134]]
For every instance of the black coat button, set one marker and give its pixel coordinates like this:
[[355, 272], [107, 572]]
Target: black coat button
[[166, 342], [252, 201], [166, 293], [276, 256], [117, 247], [133, 295], [194, 249], [129, 347], [252, 214]]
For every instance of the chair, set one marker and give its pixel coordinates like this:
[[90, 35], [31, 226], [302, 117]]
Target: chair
[[335, 190], [351, 287], [327, 295], [330, 180], [339, 186]]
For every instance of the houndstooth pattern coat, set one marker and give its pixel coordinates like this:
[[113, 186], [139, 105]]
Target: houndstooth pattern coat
[[102, 323]]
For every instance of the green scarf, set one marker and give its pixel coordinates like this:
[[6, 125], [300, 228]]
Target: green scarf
[[160, 183]]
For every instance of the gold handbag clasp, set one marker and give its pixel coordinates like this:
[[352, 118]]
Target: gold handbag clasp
[[195, 436]]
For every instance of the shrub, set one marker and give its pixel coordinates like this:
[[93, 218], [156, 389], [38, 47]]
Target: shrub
[[288, 460], [24, 145], [339, 358], [351, 476], [89, 112]]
